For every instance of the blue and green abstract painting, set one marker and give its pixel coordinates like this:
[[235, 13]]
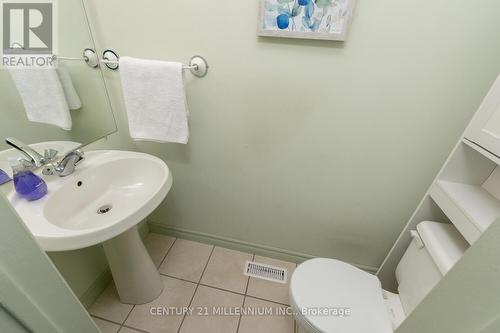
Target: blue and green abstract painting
[[322, 16]]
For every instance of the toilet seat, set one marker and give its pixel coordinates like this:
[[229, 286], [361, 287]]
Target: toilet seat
[[328, 284]]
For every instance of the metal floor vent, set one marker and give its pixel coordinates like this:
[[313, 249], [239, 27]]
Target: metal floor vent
[[266, 272]]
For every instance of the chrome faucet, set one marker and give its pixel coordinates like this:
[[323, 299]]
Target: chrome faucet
[[66, 166], [33, 158]]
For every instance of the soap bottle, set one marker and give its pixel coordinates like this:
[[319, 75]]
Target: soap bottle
[[27, 184]]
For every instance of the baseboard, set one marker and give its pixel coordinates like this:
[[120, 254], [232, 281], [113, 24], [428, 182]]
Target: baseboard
[[96, 288], [239, 245]]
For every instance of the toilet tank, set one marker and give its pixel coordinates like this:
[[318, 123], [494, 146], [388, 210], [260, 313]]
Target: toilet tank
[[434, 249]]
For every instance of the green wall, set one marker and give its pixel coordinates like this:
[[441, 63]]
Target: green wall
[[31, 287], [9, 323], [313, 147], [316, 147], [85, 271]]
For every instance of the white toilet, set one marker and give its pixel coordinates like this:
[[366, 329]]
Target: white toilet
[[330, 296]]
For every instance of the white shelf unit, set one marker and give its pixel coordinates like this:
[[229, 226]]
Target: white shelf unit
[[466, 193], [471, 208]]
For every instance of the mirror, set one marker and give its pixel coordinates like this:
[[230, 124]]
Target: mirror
[[26, 95]]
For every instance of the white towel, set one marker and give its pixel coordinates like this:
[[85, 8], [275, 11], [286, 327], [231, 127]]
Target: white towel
[[70, 93], [43, 96], [155, 98]]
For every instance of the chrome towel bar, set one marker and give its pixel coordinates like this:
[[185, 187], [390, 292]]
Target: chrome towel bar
[[197, 64]]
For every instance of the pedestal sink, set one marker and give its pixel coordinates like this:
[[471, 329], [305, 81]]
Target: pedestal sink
[[102, 202]]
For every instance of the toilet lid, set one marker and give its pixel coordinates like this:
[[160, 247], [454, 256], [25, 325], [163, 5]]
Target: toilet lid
[[321, 289]]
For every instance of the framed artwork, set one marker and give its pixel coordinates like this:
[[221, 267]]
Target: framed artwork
[[308, 19]]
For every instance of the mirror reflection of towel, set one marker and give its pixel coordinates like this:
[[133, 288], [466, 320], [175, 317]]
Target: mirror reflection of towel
[[70, 93], [47, 95]]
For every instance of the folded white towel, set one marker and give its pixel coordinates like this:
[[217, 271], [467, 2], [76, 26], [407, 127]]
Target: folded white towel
[[43, 96], [155, 98], [72, 97]]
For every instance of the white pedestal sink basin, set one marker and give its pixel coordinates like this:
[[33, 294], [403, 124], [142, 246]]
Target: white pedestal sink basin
[[109, 193]]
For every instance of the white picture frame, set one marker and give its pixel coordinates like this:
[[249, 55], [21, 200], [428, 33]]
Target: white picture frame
[[307, 19]]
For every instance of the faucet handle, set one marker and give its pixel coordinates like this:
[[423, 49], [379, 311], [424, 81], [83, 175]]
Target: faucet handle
[[66, 165], [33, 156], [49, 170], [80, 158], [50, 155]]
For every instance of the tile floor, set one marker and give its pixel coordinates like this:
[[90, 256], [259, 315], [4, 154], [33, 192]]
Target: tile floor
[[203, 278]]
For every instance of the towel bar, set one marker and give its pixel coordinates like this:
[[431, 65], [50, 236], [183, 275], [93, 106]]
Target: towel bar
[[197, 64]]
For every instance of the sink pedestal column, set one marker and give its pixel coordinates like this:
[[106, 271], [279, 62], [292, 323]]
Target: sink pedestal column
[[136, 277]]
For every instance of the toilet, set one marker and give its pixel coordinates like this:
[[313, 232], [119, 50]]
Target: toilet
[[331, 296]]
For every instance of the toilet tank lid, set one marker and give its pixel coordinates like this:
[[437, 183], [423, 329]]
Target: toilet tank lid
[[443, 242]]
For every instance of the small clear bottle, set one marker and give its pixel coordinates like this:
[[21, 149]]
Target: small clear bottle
[[27, 184], [4, 177]]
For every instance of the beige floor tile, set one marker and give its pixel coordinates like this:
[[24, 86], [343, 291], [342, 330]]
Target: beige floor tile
[[106, 326], [225, 270], [128, 330], [272, 291], [213, 300], [186, 260], [176, 295], [158, 246], [108, 306], [267, 318], [300, 329]]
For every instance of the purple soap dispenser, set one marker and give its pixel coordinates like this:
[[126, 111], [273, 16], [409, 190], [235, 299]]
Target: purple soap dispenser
[[27, 184]]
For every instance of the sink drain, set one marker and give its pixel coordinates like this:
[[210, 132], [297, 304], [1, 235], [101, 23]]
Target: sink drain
[[104, 209]]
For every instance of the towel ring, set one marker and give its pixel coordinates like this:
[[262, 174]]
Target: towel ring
[[90, 57], [110, 59]]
